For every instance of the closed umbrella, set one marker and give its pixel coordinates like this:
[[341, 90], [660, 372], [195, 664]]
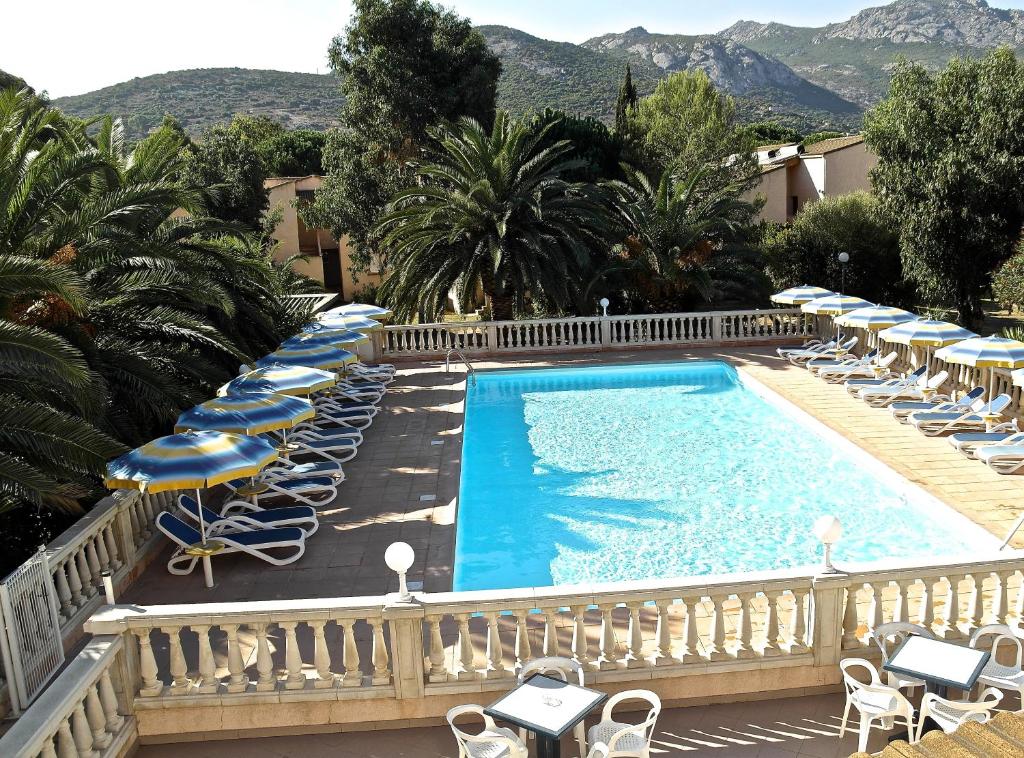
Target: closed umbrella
[[926, 333], [300, 381], [985, 352], [191, 460], [317, 356], [805, 293]]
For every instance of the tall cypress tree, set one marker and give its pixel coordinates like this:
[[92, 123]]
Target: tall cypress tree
[[625, 103]]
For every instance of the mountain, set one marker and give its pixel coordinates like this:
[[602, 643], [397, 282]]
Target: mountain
[[854, 58], [10, 80], [765, 87], [199, 98]]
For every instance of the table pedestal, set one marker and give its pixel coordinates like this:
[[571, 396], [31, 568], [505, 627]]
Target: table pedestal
[[548, 747]]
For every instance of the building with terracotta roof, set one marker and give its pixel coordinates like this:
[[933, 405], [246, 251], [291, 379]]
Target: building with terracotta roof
[[329, 260], [793, 175]]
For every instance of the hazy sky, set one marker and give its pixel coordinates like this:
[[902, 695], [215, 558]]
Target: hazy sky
[[82, 46]]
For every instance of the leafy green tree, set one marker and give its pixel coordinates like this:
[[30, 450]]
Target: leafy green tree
[[406, 65], [815, 137], [684, 246], [807, 250], [689, 126], [492, 211], [772, 133], [1008, 280], [293, 153], [226, 161], [626, 103], [950, 172], [599, 150], [255, 130]]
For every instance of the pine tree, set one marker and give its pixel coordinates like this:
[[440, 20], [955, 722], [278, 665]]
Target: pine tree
[[625, 103]]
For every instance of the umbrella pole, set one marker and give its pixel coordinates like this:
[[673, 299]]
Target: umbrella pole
[[207, 564]]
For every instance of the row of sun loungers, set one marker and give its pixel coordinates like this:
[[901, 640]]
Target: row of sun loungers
[[275, 524], [977, 427]]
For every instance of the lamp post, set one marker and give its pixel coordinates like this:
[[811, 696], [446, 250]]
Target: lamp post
[[844, 258], [399, 557], [604, 303], [828, 530]]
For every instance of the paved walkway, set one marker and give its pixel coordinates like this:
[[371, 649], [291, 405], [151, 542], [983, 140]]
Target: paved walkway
[[806, 726], [404, 482]]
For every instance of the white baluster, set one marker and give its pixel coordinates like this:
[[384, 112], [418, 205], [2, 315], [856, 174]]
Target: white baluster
[[108, 699], [266, 681], [381, 673], [180, 683], [207, 682], [551, 648], [151, 685], [608, 659], [295, 679], [718, 651], [75, 583], [663, 633], [321, 657], [466, 655], [927, 617], [523, 651], [237, 679], [353, 672], [94, 715], [692, 654], [495, 666], [953, 612], [745, 634], [84, 574], [771, 627], [81, 732], [113, 554], [66, 741], [798, 643], [580, 644], [975, 602], [634, 653], [63, 593], [49, 750], [877, 603], [438, 671]]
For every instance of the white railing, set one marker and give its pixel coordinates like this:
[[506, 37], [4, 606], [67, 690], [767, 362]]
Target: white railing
[[595, 332], [83, 714], [443, 648]]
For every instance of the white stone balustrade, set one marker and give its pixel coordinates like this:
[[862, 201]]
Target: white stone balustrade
[[595, 332], [82, 714]]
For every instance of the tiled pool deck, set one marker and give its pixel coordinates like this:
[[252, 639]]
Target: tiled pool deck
[[804, 726], [404, 483]]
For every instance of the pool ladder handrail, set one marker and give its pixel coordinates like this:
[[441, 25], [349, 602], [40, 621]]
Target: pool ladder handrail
[[470, 371]]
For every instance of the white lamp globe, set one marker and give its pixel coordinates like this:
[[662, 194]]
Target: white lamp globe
[[399, 556], [844, 257], [828, 529], [605, 302]]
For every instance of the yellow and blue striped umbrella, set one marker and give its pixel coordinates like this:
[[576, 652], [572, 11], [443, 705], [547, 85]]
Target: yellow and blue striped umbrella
[[335, 321], [361, 309], [926, 333], [191, 460], [317, 356], [985, 352], [875, 317], [805, 293], [335, 337], [300, 381], [253, 413], [834, 305]]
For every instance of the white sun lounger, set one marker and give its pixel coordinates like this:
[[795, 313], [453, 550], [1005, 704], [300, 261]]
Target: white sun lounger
[[815, 365], [934, 423], [815, 345], [880, 397], [257, 544], [969, 443], [1004, 457], [301, 516], [842, 373], [312, 490], [801, 357], [902, 409], [854, 386]]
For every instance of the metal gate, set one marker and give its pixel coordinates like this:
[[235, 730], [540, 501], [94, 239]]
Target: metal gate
[[33, 650]]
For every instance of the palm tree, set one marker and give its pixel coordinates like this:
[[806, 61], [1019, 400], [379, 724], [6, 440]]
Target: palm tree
[[685, 245], [494, 212]]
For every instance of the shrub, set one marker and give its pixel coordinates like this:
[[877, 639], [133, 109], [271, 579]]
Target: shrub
[[806, 251], [1008, 280]]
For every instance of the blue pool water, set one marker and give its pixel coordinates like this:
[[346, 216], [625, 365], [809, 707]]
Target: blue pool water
[[634, 472]]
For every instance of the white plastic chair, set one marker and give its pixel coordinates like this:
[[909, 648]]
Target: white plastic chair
[[621, 739], [888, 637], [1000, 675], [565, 669], [950, 714], [493, 742], [874, 701]]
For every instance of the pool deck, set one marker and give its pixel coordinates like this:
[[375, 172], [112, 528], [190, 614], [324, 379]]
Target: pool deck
[[404, 483]]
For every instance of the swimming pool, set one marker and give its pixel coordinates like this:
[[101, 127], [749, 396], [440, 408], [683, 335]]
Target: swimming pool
[[660, 470]]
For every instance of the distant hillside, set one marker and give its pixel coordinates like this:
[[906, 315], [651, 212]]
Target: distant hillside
[[202, 97], [853, 58], [10, 80]]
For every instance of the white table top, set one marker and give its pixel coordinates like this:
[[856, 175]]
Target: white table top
[[546, 705], [938, 661]]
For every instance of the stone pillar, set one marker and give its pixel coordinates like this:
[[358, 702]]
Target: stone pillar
[[405, 621]]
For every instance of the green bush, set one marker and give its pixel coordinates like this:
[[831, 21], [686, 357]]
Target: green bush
[[1008, 280], [807, 251]]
